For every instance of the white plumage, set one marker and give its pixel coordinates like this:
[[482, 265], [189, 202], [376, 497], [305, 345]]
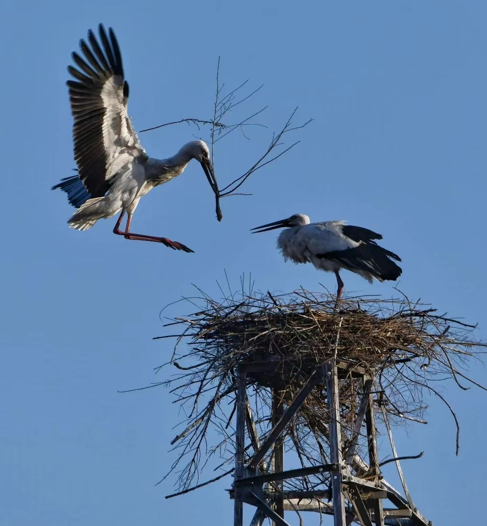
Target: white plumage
[[114, 170], [333, 245]]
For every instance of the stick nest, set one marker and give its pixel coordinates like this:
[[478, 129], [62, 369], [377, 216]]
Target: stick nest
[[404, 348]]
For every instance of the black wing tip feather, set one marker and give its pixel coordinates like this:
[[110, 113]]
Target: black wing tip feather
[[98, 58], [388, 270], [117, 63], [393, 276], [116, 55]]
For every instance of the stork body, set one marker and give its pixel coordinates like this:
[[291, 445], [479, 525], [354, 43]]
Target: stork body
[[114, 170], [334, 245]]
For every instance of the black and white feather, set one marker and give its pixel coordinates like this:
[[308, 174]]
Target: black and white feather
[[334, 245], [114, 171], [367, 258], [104, 138]]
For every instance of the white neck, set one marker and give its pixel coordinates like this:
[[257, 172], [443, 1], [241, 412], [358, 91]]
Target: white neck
[[162, 170], [182, 158]]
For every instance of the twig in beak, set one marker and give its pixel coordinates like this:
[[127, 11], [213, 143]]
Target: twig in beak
[[219, 214]]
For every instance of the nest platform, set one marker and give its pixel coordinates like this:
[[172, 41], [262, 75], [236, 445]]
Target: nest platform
[[328, 375]]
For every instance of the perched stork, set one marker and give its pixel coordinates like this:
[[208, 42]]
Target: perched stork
[[114, 170], [333, 245]]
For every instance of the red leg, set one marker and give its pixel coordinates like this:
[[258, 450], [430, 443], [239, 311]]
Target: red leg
[[340, 285], [116, 229], [140, 237]]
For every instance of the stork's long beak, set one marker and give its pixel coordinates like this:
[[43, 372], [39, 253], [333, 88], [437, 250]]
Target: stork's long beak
[[210, 175], [270, 226]]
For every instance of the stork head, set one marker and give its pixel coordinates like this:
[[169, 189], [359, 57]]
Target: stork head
[[294, 220], [196, 150], [199, 150]]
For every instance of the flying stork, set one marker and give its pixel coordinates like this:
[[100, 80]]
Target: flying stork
[[333, 245], [114, 170]]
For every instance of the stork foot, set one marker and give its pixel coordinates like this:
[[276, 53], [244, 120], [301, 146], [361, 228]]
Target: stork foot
[[175, 245], [164, 240]]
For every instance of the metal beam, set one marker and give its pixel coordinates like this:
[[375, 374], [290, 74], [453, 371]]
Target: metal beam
[[373, 457], [296, 494], [277, 414], [398, 500], [366, 485], [311, 505], [392, 494], [258, 518], [291, 473], [397, 513], [254, 436], [331, 376], [359, 505], [239, 444], [317, 506]]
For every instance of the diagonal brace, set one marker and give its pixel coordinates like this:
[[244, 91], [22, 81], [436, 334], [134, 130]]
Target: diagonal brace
[[258, 518], [262, 505], [254, 437], [285, 419], [358, 421], [359, 505]]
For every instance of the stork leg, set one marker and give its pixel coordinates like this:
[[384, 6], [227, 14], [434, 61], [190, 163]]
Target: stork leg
[[140, 237], [116, 229], [340, 285]]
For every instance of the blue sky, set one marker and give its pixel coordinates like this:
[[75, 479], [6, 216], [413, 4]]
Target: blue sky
[[398, 91]]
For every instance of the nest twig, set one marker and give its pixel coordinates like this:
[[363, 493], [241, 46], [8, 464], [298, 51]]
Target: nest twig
[[404, 348]]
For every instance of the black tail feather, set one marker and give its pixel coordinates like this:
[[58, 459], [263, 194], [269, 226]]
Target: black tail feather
[[74, 187]]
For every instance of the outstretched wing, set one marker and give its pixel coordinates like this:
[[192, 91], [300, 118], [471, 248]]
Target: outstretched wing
[[104, 139]]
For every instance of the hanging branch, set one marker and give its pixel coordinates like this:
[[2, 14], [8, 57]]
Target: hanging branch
[[264, 160], [201, 485], [223, 105]]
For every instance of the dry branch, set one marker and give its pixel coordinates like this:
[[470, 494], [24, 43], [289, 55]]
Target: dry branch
[[224, 104]]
